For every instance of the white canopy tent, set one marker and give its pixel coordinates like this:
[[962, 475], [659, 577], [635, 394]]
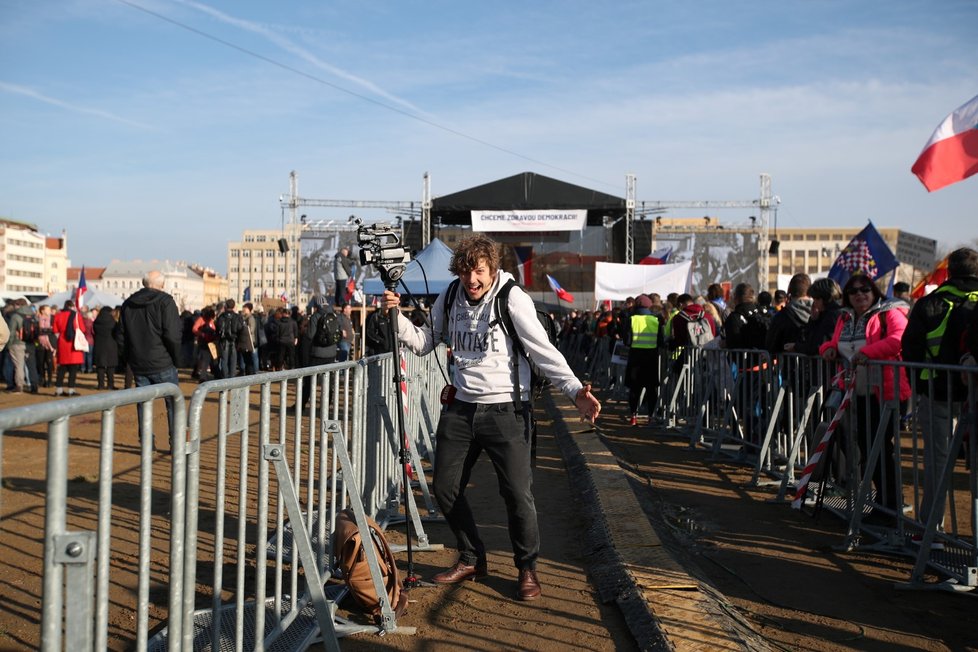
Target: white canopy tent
[[92, 299], [617, 282], [434, 260]]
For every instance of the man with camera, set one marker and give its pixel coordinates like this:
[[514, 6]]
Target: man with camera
[[485, 407]]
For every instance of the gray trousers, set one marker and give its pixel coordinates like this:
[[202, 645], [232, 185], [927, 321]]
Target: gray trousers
[[937, 420]]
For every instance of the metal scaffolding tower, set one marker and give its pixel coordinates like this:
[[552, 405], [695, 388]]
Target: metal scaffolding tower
[[766, 204]]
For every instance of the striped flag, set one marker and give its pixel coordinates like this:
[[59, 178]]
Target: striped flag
[[81, 342], [951, 154], [657, 257], [524, 264], [561, 293]]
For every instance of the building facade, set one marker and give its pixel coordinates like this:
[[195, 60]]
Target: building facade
[[814, 250], [124, 278], [257, 264], [216, 289], [22, 251]]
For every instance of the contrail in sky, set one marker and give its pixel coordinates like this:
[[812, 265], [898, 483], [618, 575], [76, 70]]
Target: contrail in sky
[[30, 92]]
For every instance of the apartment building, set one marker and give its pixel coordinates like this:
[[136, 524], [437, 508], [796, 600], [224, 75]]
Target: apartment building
[[814, 250], [259, 262], [31, 263]]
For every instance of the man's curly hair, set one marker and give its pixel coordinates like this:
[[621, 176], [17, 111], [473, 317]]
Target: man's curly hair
[[470, 251]]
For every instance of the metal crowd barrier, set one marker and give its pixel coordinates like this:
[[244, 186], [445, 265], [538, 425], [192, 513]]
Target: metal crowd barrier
[[772, 414], [94, 533], [255, 486]]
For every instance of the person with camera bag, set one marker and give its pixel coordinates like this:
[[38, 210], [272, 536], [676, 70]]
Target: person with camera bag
[[486, 406]]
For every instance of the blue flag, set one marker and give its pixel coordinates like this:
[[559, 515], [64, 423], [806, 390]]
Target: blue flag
[[866, 253], [247, 294]]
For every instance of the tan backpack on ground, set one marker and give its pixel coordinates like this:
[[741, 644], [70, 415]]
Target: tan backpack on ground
[[352, 560]]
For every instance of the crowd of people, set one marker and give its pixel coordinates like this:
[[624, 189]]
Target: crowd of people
[[845, 326], [224, 340]]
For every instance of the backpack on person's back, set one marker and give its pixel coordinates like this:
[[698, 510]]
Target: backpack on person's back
[[755, 328], [327, 331], [699, 329], [228, 326], [30, 330], [960, 308]]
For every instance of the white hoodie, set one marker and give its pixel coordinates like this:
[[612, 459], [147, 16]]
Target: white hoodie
[[483, 354]]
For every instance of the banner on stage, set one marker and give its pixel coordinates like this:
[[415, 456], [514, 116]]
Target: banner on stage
[[617, 282], [535, 220]]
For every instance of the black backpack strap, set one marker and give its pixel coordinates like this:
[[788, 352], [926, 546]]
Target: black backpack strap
[[503, 317], [450, 294], [505, 320]]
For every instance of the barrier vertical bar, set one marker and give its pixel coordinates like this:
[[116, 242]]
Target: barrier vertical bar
[[52, 594]]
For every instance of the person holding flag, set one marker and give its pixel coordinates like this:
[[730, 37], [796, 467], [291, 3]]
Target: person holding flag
[[69, 356]]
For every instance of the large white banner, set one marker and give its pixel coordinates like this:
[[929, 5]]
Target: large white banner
[[535, 220], [617, 282]]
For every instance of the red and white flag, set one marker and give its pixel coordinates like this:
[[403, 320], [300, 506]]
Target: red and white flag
[[561, 293], [951, 154], [657, 257], [81, 342], [524, 264]]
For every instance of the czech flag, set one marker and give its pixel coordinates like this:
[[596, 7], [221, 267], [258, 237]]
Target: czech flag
[[561, 293], [81, 290], [524, 263], [951, 154], [657, 257], [81, 342]]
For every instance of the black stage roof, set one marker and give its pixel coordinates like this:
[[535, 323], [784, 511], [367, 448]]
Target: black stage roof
[[526, 191]]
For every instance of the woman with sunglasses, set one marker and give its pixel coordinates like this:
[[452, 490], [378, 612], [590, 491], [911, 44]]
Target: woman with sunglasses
[[870, 327]]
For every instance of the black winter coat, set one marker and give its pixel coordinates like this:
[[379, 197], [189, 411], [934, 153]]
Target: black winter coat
[[106, 353], [150, 332]]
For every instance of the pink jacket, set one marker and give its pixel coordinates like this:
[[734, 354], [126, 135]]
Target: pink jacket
[[877, 346]]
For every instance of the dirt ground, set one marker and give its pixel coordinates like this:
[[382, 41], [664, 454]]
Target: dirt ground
[[772, 571]]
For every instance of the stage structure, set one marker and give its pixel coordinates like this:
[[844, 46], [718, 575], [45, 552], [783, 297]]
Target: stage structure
[[610, 230]]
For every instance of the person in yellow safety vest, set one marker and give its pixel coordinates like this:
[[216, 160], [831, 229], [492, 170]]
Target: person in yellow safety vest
[[934, 333], [644, 337]]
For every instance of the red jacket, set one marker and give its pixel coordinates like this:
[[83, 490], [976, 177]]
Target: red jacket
[[67, 354], [878, 346]]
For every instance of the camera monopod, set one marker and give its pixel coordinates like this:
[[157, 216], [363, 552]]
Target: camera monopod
[[381, 247]]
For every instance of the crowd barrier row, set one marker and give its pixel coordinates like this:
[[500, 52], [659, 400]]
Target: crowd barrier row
[[201, 547], [786, 415], [222, 542]]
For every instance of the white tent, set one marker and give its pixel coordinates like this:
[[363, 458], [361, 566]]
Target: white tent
[[617, 282], [92, 299], [433, 260]]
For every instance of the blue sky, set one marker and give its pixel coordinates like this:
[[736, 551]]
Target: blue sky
[[163, 128]]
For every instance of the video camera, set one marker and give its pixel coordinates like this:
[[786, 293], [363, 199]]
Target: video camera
[[380, 246]]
